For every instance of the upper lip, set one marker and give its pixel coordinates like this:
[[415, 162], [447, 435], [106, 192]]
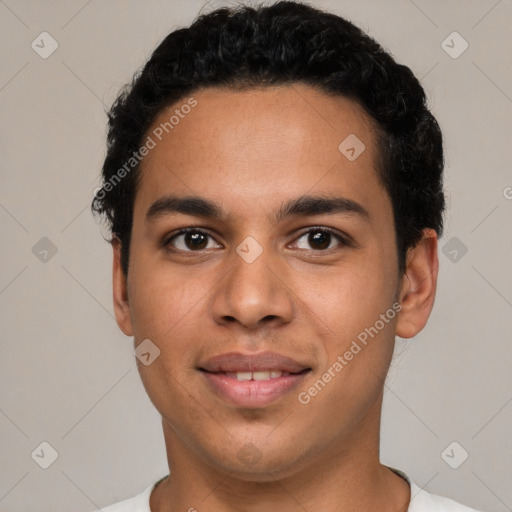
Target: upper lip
[[238, 362]]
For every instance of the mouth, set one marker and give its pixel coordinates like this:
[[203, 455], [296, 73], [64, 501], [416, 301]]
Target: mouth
[[252, 381], [253, 389]]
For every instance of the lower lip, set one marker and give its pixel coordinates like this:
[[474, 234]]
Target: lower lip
[[253, 393]]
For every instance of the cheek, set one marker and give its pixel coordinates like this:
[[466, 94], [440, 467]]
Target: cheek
[[164, 306], [348, 298], [161, 298], [350, 301], [358, 350]]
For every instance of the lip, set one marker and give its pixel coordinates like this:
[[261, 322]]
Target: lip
[[238, 362], [252, 393]]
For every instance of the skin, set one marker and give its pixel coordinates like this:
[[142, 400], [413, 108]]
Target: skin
[[249, 151]]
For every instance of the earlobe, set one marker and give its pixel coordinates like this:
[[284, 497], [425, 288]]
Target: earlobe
[[418, 289], [120, 291]]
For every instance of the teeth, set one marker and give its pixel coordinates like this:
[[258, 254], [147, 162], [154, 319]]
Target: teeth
[[263, 375]]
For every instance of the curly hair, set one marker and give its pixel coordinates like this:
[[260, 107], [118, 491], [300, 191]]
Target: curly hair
[[282, 44]]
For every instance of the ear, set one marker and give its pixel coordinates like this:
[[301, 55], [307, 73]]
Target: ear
[[418, 288], [120, 291]]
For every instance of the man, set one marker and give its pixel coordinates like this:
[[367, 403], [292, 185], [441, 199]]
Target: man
[[273, 184]]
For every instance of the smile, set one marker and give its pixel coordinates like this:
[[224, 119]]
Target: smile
[[262, 375], [253, 389]]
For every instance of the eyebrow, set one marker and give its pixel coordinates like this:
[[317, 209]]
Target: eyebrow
[[302, 206]]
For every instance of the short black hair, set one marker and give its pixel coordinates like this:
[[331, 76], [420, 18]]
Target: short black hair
[[282, 44]]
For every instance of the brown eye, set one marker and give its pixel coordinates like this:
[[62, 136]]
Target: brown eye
[[190, 240], [320, 239]]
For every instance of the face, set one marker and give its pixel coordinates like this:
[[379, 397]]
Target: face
[[288, 274]]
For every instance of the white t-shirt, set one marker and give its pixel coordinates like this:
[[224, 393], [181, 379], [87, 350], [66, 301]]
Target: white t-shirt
[[421, 501]]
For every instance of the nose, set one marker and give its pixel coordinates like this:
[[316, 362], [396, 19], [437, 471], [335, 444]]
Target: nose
[[253, 294]]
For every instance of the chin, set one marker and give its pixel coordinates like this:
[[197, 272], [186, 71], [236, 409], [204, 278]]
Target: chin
[[253, 464]]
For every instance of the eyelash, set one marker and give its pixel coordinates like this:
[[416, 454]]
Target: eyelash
[[167, 241]]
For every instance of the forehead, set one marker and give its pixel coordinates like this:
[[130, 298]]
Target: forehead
[[260, 144]]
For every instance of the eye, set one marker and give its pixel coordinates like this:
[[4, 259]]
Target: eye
[[320, 238], [190, 240]]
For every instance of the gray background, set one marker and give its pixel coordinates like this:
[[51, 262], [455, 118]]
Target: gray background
[[68, 375]]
